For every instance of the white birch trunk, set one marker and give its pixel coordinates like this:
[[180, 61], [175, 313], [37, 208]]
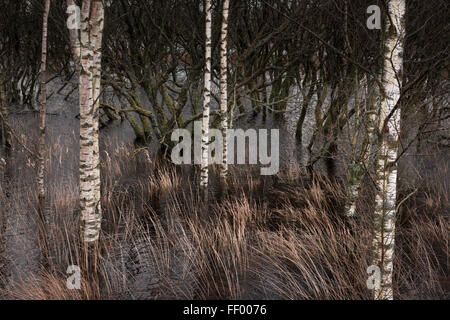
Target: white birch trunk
[[89, 215], [224, 87], [97, 23], [43, 108], [75, 40], [206, 103], [42, 131], [386, 171], [359, 166]]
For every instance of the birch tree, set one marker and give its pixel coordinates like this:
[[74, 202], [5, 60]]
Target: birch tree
[[43, 108], [224, 86], [386, 167], [42, 132], [92, 14], [360, 162], [87, 197], [206, 103], [74, 33], [97, 24]]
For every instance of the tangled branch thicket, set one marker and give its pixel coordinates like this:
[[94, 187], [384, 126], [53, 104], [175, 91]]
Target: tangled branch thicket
[[310, 68]]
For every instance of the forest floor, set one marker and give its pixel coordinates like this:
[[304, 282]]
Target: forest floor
[[280, 237]]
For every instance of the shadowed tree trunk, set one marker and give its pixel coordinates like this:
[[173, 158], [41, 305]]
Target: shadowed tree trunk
[[4, 115], [42, 143], [74, 34], [386, 171], [360, 163]]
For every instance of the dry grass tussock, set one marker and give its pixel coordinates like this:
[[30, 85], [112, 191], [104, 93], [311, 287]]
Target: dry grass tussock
[[280, 237]]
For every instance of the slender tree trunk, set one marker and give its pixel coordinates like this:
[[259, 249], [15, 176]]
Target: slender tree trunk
[[4, 116], [74, 38], [2, 125], [386, 171], [361, 164], [224, 87], [97, 23], [206, 104], [89, 215], [86, 51], [92, 19], [307, 96], [42, 132]]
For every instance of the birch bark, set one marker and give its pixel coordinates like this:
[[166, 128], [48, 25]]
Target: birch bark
[[43, 108], [97, 23], [386, 170], [360, 164], [42, 133], [86, 49], [206, 103], [90, 218], [74, 37], [224, 86]]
